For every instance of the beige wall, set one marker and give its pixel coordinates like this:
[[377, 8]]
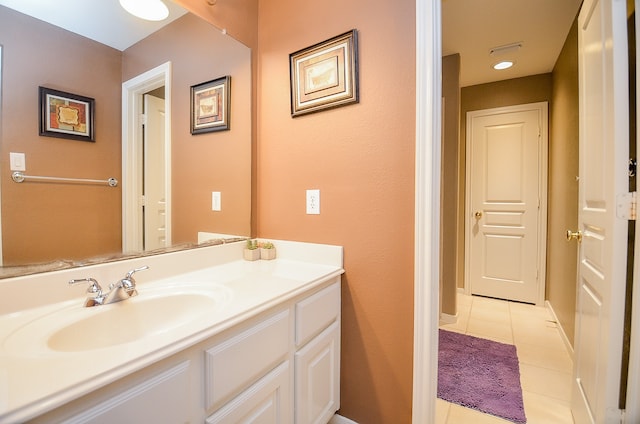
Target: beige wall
[[451, 183], [563, 187], [511, 92], [361, 157], [238, 17], [215, 161], [81, 220]]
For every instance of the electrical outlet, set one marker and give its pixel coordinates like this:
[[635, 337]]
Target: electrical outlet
[[216, 202], [313, 202]]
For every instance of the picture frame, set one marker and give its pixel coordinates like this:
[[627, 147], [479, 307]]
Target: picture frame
[[211, 106], [66, 115], [325, 75]]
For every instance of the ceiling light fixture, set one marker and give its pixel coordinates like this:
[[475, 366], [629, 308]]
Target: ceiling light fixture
[[150, 10], [508, 48], [505, 64]]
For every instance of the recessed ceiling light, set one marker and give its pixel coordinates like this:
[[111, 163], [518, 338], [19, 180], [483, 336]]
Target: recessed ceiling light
[[150, 10], [505, 64]]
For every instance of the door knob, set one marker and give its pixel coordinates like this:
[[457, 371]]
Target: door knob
[[478, 214], [577, 235]]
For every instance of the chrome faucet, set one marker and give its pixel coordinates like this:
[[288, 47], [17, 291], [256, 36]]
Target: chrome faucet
[[124, 288], [121, 290], [96, 295]]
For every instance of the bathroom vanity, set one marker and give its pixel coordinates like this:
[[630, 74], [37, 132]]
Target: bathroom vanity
[[209, 338]]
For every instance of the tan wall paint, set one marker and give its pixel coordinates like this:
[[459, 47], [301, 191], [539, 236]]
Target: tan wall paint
[[80, 220], [238, 17], [511, 92], [216, 161], [450, 183], [563, 187], [361, 157]]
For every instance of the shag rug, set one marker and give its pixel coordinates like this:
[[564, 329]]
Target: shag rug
[[480, 374]]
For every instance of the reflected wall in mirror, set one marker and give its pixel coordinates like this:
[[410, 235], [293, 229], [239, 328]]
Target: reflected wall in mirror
[[45, 222]]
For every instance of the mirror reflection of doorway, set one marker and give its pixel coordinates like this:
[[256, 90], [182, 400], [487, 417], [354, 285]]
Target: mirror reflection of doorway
[[153, 171], [146, 160]]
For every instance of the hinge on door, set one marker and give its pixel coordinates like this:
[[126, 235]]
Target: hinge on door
[[143, 119], [142, 201], [626, 206]]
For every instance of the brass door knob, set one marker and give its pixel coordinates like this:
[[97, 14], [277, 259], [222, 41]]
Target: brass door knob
[[574, 235], [478, 214]]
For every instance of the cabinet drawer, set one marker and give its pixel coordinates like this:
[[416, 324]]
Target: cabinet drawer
[[267, 401], [316, 312], [238, 362]]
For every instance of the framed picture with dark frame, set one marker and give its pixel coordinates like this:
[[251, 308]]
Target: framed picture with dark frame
[[325, 75], [66, 115], [211, 105]]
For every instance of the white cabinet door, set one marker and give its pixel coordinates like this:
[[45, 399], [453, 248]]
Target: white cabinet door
[[163, 398], [266, 402], [318, 377]]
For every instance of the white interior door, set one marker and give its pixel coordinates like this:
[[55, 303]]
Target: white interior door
[[506, 184], [604, 147], [133, 92], [155, 225]]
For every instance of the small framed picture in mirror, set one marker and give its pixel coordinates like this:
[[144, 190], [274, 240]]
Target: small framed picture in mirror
[[210, 105], [66, 115]]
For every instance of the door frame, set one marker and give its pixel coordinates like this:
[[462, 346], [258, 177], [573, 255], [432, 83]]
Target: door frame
[[1, 255], [132, 92], [543, 164], [427, 210]]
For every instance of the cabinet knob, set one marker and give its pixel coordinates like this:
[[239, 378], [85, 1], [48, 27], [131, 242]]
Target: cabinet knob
[[478, 214]]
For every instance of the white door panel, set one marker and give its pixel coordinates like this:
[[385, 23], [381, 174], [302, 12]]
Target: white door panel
[[505, 151], [155, 222], [604, 147]]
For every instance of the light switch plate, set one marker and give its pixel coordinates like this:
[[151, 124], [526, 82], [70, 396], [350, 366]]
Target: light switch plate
[[17, 161], [216, 201]]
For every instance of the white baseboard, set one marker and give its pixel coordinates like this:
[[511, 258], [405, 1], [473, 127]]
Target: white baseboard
[[339, 419], [447, 319], [565, 339]]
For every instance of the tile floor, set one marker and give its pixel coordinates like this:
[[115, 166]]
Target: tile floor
[[545, 364]]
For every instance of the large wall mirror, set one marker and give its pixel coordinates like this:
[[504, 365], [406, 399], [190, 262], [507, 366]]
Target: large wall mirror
[[60, 223]]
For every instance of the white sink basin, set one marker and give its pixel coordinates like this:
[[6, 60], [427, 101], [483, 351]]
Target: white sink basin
[[144, 317]]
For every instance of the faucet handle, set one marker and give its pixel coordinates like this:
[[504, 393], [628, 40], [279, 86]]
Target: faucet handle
[[94, 287], [133, 271], [128, 283]]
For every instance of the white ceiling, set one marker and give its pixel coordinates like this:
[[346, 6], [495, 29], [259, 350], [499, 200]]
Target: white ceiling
[[100, 20], [473, 27]]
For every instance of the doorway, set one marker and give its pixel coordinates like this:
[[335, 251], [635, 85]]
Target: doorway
[[143, 206], [153, 171], [506, 191]]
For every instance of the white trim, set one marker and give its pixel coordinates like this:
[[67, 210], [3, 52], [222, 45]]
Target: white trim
[[339, 419], [448, 318], [1, 256], [563, 334], [427, 210], [132, 91], [543, 146]]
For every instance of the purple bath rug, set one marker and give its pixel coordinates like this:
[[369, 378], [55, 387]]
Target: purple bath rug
[[480, 374]]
